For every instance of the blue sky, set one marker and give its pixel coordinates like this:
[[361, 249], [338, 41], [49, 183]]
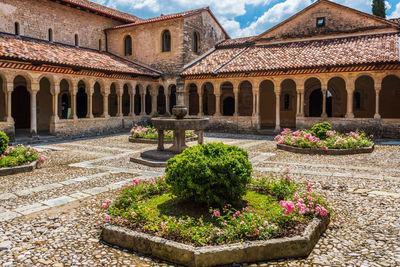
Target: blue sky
[[239, 17]]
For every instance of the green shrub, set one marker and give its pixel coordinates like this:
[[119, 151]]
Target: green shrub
[[213, 174], [3, 142], [319, 130]]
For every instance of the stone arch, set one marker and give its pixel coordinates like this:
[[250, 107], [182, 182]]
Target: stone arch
[[148, 102], [227, 99], [21, 103], [364, 97], [336, 97], [245, 99], [64, 100], [193, 99], [98, 105], [44, 105], [389, 99], [138, 100], [267, 104], [288, 103], [172, 97], [81, 100], [126, 100], [313, 97], [113, 101], [209, 99], [161, 102]]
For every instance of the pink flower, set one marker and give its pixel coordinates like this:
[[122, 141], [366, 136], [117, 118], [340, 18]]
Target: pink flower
[[216, 213], [242, 222], [2, 156], [42, 158], [224, 223], [11, 148], [326, 148], [266, 223], [107, 218], [133, 214], [6, 152]]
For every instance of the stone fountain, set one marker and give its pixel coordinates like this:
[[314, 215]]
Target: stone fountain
[[178, 123]]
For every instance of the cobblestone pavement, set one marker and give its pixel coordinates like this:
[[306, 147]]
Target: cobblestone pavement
[[48, 217]]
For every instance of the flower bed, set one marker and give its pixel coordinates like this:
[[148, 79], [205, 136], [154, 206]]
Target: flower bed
[[149, 135], [306, 141], [273, 208], [19, 159]]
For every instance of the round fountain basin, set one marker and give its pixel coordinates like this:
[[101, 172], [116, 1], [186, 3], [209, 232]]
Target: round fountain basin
[[180, 124]]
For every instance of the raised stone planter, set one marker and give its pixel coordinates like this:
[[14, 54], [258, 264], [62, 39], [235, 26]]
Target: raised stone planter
[[254, 251], [18, 169], [155, 141], [320, 151]]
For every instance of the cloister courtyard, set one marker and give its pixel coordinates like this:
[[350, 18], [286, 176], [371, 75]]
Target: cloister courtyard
[[50, 217]]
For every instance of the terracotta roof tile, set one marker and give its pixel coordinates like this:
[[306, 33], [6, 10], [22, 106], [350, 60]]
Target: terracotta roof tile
[[31, 50], [236, 42], [396, 20], [163, 17], [103, 9], [307, 54]]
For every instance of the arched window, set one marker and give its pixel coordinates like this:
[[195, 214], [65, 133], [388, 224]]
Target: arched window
[[50, 35], [286, 102], [16, 26], [166, 41], [99, 44], [357, 100], [76, 40], [196, 42], [128, 45]]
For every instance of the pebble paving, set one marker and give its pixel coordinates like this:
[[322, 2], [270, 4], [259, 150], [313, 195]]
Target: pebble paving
[[49, 217]]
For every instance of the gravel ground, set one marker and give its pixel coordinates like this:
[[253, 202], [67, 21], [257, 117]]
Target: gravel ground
[[368, 236]]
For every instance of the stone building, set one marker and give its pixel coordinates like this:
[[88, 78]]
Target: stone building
[[75, 68]]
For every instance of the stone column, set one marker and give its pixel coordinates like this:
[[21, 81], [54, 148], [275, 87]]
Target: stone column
[[217, 104], [350, 94], [105, 105], [90, 103], [10, 88], [119, 105], [200, 139], [143, 103], [200, 102], [132, 104], [236, 93], [73, 101], [255, 94], [302, 103], [278, 110], [55, 93], [160, 146], [298, 109], [33, 93], [377, 93], [153, 102], [324, 115]]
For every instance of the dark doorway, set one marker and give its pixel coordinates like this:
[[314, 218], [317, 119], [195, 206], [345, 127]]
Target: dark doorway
[[148, 102], [329, 104], [172, 98], [21, 107], [161, 103], [81, 103], [229, 106], [138, 101], [315, 103], [64, 106]]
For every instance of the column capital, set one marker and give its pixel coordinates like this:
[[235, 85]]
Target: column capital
[[10, 87]]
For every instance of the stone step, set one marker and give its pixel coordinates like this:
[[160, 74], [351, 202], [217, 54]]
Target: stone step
[[149, 162]]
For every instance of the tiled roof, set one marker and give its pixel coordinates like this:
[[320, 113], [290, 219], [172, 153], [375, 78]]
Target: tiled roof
[[396, 20], [163, 17], [236, 42], [359, 50], [102, 9], [31, 50], [172, 16]]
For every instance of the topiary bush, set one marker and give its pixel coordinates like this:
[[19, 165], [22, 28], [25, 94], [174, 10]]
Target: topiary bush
[[319, 130], [3, 142], [214, 174]]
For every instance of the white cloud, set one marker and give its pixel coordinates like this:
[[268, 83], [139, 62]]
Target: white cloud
[[396, 12]]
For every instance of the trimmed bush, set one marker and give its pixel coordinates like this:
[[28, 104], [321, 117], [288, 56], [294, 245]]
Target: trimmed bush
[[213, 174], [3, 142], [319, 130]]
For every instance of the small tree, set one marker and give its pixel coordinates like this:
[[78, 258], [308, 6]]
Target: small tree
[[379, 8]]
